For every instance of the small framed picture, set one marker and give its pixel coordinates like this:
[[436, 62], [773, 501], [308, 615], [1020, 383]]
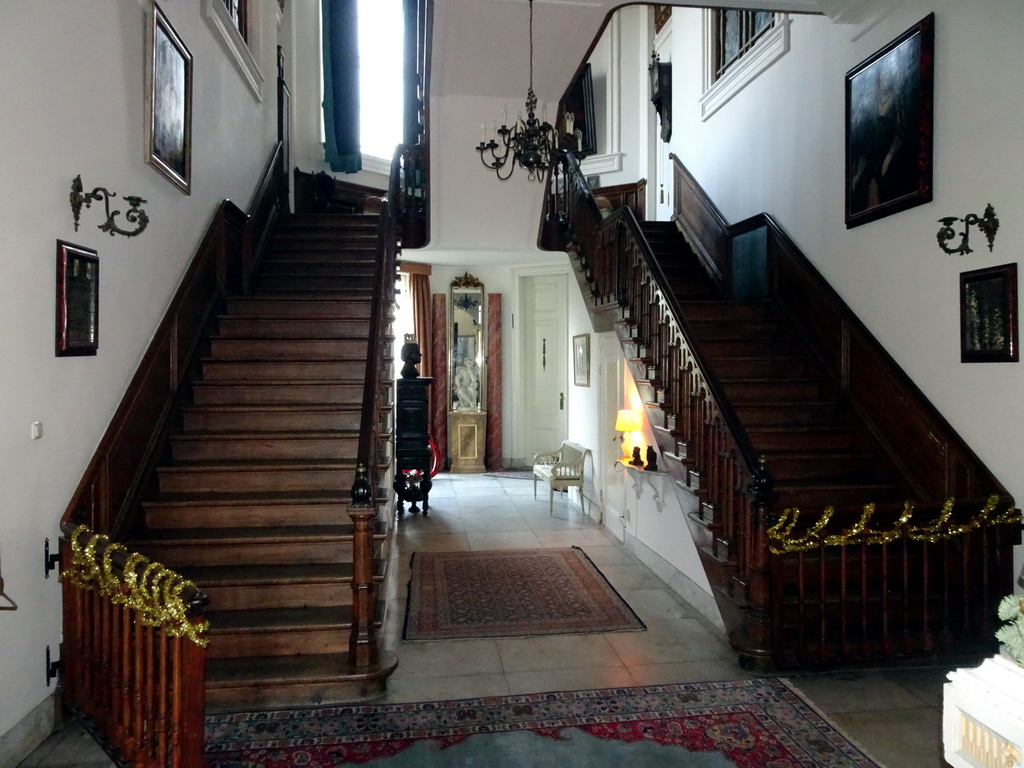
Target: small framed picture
[[581, 360], [78, 298], [988, 315], [169, 102], [889, 127]]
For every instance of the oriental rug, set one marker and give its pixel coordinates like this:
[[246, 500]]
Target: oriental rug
[[746, 723], [511, 593]]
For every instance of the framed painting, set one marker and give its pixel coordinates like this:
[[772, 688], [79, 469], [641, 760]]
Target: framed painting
[[168, 102], [988, 315], [581, 360], [889, 127], [578, 110], [78, 299]]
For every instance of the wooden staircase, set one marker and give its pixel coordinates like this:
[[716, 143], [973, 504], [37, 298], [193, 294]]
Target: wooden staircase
[[819, 451], [251, 504], [766, 395]]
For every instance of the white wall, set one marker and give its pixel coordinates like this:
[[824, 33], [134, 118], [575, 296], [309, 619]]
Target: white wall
[[72, 86], [778, 146], [621, 98]]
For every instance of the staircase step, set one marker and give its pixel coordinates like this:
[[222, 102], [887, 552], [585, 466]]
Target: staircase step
[[354, 308], [795, 438], [254, 477], [244, 327], [279, 632], [273, 682], [251, 510], [313, 284], [770, 389], [264, 446], [271, 416], [761, 367], [244, 587], [270, 370], [786, 413], [812, 497], [821, 465], [746, 347], [180, 548], [312, 266], [713, 330], [697, 311], [226, 349], [343, 392]]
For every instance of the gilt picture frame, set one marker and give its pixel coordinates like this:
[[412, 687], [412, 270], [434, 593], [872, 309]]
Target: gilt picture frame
[[581, 360], [889, 122], [988, 315], [168, 134], [78, 299]]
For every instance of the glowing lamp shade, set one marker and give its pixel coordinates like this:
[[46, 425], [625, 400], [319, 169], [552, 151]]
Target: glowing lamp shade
[[627, 421]]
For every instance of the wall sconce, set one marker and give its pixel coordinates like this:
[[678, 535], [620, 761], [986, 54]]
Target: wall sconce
[[987, 223], [134, 215], [626, 421]]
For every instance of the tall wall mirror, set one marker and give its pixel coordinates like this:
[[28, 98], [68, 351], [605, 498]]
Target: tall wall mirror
[[467, 339]]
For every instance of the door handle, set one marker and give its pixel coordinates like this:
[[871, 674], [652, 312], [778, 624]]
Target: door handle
[[561, 401]]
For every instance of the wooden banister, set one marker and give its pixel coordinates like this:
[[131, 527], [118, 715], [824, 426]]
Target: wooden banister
[[133, 658]]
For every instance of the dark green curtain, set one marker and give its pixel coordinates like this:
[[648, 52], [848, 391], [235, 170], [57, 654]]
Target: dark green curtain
[[341, 85]]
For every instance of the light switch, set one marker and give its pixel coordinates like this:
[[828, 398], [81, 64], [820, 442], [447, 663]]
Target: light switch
[[37, 430]]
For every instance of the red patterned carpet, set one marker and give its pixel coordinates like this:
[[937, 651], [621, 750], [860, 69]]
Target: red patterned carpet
[[760, 723], [508, 593]]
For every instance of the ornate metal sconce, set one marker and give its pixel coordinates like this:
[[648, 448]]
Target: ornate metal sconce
[[134, 215], [987, 223]]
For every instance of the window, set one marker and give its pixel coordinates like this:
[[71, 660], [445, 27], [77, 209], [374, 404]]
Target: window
[[238, 11], [738, 46], [236, 23], [736, 32], [380, 77]]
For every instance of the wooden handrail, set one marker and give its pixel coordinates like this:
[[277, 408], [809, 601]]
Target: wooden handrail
[[122, 466], [373, 459]]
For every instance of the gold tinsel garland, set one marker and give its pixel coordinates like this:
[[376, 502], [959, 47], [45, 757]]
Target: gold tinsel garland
[[155, 596], [782, 540]]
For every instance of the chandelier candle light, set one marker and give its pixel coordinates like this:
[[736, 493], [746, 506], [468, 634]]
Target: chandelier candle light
[[533, 144]]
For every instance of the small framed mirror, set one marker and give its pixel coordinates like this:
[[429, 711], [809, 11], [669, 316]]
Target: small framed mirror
[[467, 335]]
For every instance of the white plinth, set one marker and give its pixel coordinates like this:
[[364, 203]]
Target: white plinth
[[983, 715]]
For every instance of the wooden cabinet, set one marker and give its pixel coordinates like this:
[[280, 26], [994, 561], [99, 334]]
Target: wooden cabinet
[[412, 447]]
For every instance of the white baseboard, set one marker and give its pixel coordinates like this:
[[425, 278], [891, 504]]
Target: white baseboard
[[677, 581]]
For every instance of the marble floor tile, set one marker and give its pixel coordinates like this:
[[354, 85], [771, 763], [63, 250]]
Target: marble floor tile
[[568, 679], [524, 654]]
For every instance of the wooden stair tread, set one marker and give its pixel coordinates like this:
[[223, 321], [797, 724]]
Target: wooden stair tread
[[278, 533], [265, 575], [254, 621], [282, 670], [264, 465]]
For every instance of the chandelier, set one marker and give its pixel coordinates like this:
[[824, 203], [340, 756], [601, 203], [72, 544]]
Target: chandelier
[[531, 143]]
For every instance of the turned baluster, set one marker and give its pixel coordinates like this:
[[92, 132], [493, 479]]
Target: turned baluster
[[363, 639]]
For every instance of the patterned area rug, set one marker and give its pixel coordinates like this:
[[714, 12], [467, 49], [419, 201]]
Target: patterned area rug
[[508, 593], [745, 723]]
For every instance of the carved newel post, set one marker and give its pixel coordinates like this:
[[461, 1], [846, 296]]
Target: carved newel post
[[362, 645], [753, 639]]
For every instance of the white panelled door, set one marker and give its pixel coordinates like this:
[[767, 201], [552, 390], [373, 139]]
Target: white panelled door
[[544, 362]]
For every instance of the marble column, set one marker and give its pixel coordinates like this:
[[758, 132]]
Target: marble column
[[439, 366], [494, 456]]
